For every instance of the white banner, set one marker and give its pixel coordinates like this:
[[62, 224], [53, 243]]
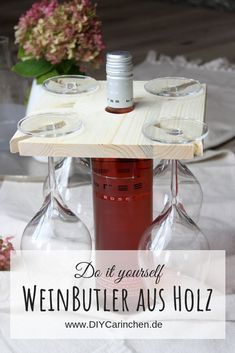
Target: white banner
[[118, 294]]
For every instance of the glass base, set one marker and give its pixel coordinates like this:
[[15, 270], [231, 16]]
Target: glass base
[[173, 87], [175, 130], [51, 124]]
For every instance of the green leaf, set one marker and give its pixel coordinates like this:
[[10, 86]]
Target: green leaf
[[21, 53], [64, 67], [75, 70], [47, 75], [32, 67]]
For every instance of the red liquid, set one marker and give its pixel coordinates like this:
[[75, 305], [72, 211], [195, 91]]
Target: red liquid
[[122, 197]]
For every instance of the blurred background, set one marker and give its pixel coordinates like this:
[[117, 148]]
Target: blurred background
[[202, 29]]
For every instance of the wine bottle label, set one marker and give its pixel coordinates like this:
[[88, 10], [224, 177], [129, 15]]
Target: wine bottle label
[[120, 190], [119, 92]]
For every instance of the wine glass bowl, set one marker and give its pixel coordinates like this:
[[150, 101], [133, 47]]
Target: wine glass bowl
[[55, 228], [173, 229]]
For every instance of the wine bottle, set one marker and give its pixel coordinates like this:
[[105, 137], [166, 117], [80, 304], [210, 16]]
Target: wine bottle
[[122, 188]]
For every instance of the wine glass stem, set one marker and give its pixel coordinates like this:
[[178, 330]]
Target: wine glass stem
[[52, 178], [174, 180]]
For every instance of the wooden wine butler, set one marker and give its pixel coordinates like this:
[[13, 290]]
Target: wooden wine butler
[[108, 135], [122, 157]]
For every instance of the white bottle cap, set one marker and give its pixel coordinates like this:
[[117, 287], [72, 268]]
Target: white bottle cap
[[119, 63]]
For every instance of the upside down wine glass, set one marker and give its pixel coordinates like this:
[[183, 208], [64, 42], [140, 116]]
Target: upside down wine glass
[[172, 88], [70, 172], [173, 229], [55, 226]]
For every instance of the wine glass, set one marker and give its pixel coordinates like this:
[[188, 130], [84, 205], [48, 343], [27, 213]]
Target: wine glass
[[55, 226], [70, 172], [171, 88], [173, 229]]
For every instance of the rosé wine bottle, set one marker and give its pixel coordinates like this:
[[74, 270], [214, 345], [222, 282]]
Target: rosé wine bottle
[[122, 188], [122, 198]]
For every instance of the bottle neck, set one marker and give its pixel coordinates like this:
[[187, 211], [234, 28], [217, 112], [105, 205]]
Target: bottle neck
[[5, 57], [119, 82], [119, 110]]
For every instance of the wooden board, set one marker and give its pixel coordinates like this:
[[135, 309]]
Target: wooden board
[[107, 135]]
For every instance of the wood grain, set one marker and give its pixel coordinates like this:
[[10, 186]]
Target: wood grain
[[107, 135]]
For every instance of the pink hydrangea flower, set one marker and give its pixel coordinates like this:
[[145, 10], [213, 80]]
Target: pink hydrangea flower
[[67, 31], [5, 250]]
